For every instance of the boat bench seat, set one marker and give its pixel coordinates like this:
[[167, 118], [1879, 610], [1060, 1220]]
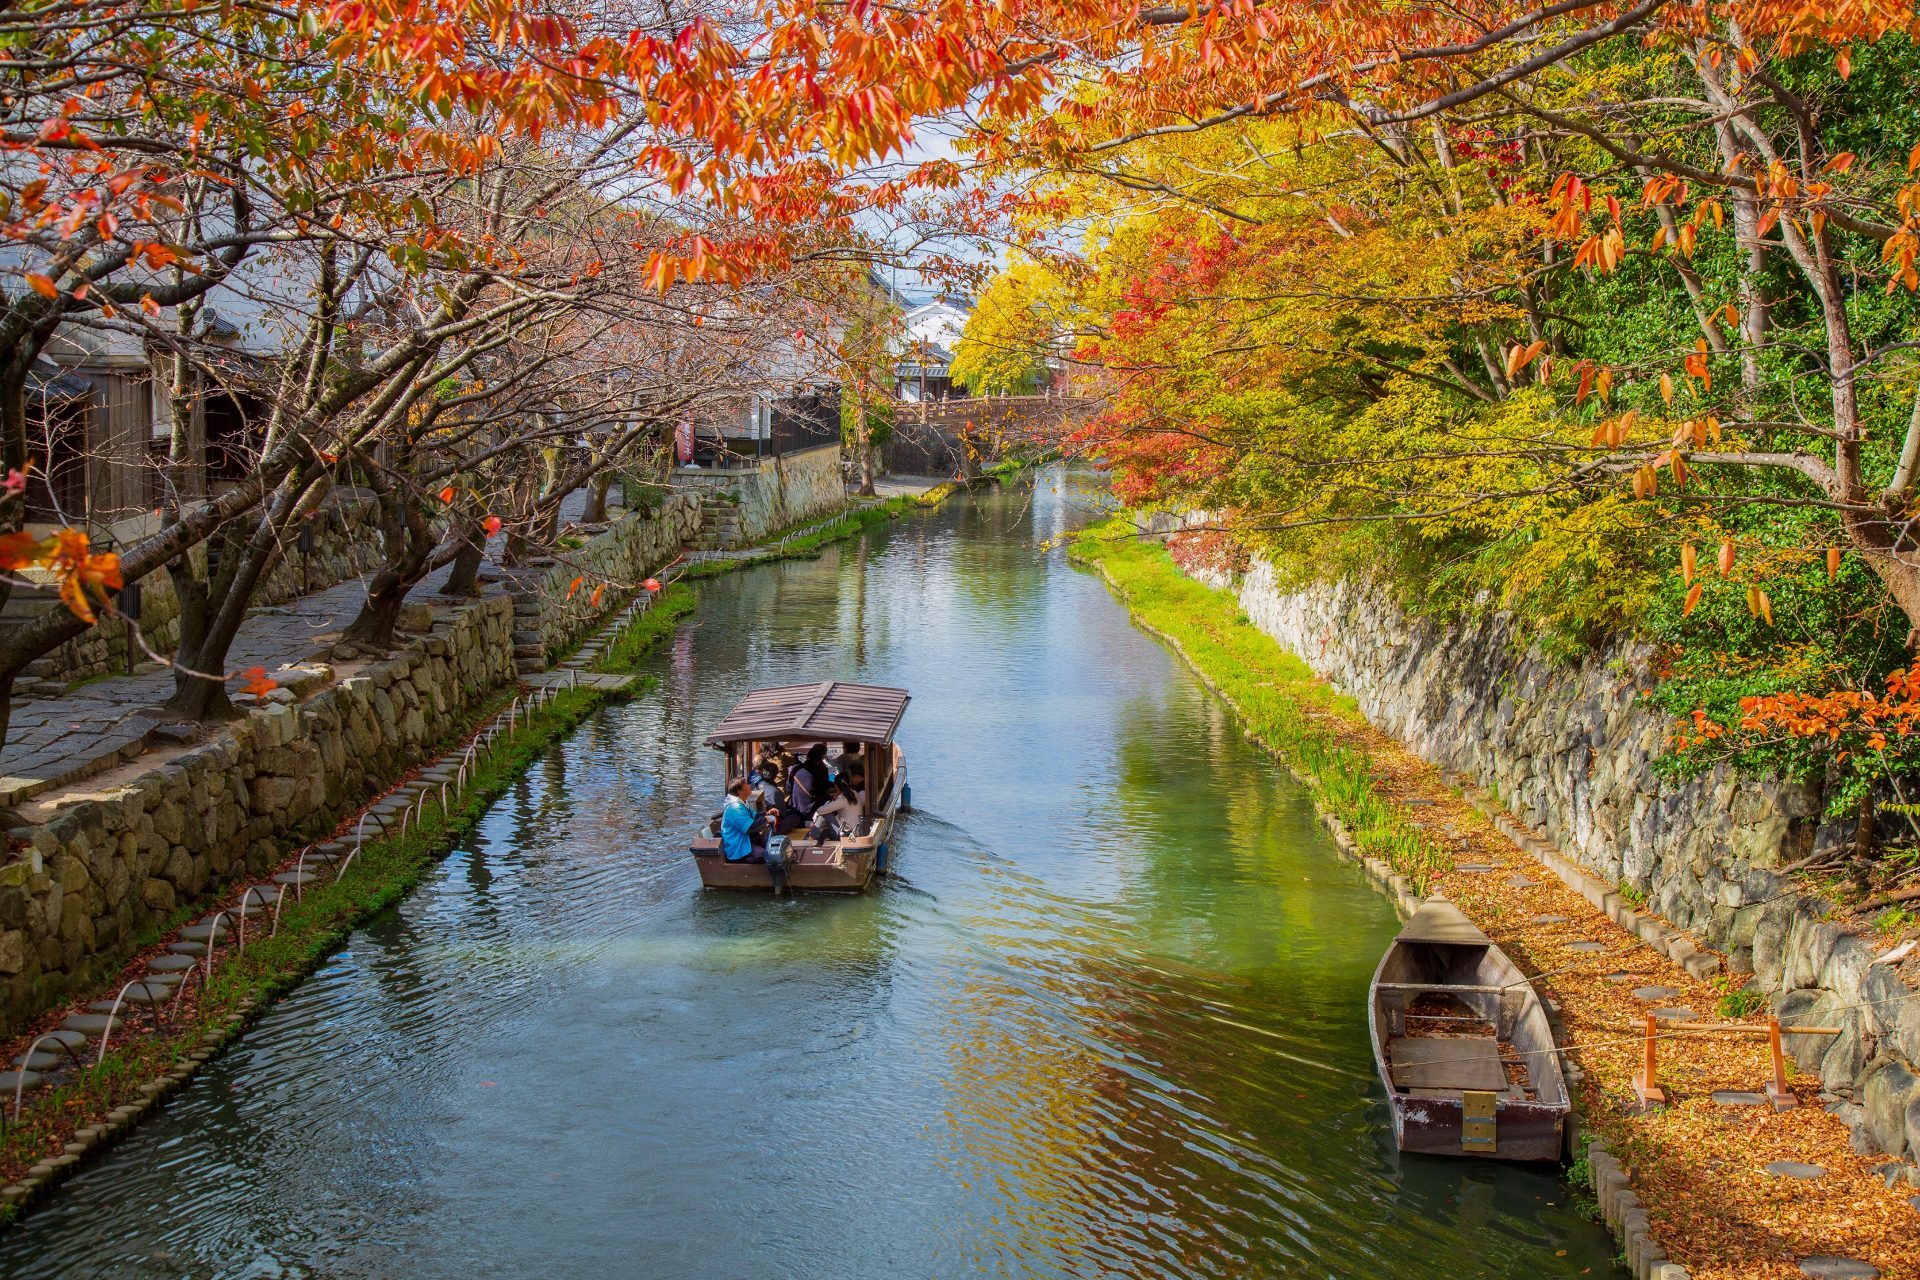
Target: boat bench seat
[[1427, 1065]]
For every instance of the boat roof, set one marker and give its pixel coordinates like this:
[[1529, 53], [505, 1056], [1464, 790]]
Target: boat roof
[[828, 709], [1438, 920]]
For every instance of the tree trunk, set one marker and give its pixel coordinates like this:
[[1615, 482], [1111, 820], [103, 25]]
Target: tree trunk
[[596, 510], [406, 533], [863, 448], [1863, 846], [464, 579], [200, 690], [380, 612]]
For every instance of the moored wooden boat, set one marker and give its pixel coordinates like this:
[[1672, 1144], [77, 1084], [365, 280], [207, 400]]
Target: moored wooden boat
[[1463, 1046], [793, 718]]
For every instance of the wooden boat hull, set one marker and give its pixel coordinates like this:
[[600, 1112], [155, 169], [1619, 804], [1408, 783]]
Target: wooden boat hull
[[1436, 1127], [846, 866], [1448, 1078]]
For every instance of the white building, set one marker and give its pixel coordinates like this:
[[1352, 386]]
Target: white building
[[930, 334]]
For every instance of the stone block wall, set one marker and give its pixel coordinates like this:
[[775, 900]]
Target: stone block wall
[[1568, 749], [123, 860], [778, 493], [549, 621]]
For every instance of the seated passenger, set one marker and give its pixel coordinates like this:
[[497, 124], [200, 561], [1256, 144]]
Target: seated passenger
[[848, 761], [737, 823], [810, 781], [841, 815], [766, 783]]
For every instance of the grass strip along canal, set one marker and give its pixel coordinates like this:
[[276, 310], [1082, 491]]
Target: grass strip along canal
[[1104, 1016], [1730, 1189]]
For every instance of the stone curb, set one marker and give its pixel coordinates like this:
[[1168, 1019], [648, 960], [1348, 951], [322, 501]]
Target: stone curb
[[91, 1140], [1674, 943], [1621, 1207]]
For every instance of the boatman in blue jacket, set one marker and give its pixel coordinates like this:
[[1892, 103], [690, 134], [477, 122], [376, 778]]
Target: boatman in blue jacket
[[743, 834]]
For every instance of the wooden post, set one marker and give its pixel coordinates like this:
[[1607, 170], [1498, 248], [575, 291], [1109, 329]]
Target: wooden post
[[1777, 1092], [1644, 1084]]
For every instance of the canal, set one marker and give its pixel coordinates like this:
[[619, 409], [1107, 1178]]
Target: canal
[[1106, 1019]]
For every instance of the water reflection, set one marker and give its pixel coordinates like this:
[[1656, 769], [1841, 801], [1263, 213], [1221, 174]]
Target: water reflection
[[1106, 1020]]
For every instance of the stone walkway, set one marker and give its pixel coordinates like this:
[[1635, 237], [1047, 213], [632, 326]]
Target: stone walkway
[[907, 486], [51, 741]]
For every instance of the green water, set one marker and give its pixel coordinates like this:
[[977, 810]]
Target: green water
[[1106, 1020]]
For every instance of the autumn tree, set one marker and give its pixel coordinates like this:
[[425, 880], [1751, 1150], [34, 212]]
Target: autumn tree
[[1019, 323]]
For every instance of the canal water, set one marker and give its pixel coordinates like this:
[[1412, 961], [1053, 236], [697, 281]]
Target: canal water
[[1106, 1019]]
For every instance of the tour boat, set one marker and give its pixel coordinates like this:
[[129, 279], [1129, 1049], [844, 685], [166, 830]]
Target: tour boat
[[1463, 1046], [860, 717]]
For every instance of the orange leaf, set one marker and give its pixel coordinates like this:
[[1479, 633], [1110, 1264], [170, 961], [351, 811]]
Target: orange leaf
[[574, 586], [1833, 563], [446, 494], [491, 524], [19, 550], [42, 285], [1693, 598], [1843, 64], [257, 683], [594, 599], [1726, 557], [1666, 387], [1687, 556]]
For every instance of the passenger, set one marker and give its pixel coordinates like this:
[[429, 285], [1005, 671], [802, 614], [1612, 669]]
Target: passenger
[[737, 822], [743, 833], [766, 783], [841, 815], [810, 780], [848, 760]]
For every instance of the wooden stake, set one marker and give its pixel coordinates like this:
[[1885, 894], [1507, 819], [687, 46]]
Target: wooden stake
[[1777, 1092], [1644, 1084]]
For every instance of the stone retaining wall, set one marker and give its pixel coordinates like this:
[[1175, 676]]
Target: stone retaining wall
[[119, 863], [1568, 749], [549, 619], [778, 493]]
